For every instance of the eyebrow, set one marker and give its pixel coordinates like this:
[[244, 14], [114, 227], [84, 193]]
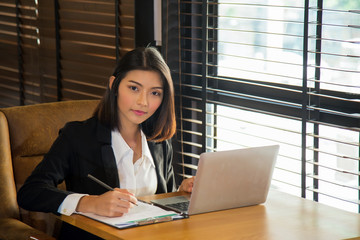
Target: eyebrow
[[137, 83]]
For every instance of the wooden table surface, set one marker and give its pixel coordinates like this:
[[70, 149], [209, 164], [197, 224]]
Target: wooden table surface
[[283, 216]]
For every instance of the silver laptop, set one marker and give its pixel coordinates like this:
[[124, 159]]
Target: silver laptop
[[227, 179]]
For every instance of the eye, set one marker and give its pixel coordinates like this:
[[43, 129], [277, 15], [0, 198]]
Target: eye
[[156, 93], [133, 88]]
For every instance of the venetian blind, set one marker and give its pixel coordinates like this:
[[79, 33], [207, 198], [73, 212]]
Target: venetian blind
[[61, 50], [19, 40], [88, 49], [252, 73]]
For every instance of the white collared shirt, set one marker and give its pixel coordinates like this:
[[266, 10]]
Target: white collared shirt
[[139, 177]]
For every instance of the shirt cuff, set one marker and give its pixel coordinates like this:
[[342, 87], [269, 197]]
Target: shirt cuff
[[68, 206]]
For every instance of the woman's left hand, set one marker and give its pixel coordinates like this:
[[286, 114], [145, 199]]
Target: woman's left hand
[[187, 185]]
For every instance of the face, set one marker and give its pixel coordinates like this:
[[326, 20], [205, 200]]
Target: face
[[140, 94]]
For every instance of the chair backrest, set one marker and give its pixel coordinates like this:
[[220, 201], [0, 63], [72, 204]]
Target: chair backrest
[[26, 134]]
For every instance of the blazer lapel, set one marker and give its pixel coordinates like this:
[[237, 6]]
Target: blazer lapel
[[157, 153], [108, 157]]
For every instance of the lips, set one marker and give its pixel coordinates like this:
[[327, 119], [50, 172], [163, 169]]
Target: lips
[[139, 112]]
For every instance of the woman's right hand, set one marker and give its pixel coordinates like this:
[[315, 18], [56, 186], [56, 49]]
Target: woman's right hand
[[110, 204]]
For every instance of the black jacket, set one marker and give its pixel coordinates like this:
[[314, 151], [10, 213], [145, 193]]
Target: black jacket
[[82, 148]]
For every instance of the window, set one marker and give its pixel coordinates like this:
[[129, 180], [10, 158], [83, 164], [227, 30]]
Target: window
[[252, 73]]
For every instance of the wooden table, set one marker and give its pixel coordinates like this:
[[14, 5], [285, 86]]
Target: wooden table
[[283, 216]]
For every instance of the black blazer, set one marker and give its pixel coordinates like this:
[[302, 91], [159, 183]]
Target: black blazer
[[82, 148]]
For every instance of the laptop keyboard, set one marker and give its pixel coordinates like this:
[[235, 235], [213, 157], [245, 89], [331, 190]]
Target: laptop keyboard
[[182, 206]]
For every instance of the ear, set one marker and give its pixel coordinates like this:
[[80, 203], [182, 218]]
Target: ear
[[111, 80]]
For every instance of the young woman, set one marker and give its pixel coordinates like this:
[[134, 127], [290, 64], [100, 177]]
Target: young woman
[[126, 144]]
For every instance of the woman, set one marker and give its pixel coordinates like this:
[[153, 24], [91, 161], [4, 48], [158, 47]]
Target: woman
[[126, 144]]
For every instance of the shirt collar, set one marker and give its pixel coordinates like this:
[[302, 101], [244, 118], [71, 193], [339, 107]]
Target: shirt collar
[[123, 148], [145, 149]]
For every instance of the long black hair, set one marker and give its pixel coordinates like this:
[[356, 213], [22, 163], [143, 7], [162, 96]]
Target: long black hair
[[162, 124]]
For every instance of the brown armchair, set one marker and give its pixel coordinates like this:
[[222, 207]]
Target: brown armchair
[[26, 134]]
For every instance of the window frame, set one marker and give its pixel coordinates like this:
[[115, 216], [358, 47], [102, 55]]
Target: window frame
[[197, 52]]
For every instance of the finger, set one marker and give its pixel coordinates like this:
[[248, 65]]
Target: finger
[[190, 184], [125, 195], [118, 211], [133, 200], [129, 198]]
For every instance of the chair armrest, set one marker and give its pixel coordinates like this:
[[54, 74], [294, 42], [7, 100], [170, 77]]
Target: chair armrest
[[13, 229]]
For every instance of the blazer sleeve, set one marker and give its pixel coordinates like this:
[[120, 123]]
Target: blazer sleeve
[[170, 177], [163, 158]]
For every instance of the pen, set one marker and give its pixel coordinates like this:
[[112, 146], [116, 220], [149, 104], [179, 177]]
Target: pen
[[103, 184]]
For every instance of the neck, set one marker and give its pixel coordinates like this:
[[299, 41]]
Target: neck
[[131, 136]]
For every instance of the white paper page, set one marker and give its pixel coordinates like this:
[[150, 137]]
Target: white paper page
[[141, 212]]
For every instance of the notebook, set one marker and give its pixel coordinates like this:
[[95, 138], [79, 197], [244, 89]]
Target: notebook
[[228, 179]]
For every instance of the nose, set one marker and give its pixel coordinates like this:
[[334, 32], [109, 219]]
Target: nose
[[142, 99]]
